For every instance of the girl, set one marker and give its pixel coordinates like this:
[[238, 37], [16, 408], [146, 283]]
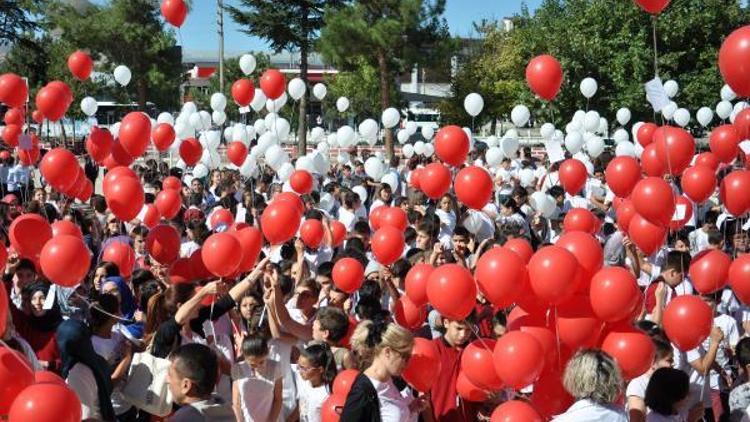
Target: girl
[[37, 325], [666, 391], [511, 214], [384, 197], [316, 370], [636, 390], [257, 387], [446, 212]]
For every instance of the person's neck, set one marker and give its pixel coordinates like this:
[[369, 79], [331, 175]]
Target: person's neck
[[316, 382], [191, 400], [378, 372]]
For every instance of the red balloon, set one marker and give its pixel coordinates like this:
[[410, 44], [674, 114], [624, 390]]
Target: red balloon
[[181, 271], [198, 267], [478, 367], [581, 219], [622, 174], [681, 202], [344, 381], [687, 321], [348, 274], [625, 213], [675, 147], [544, 75], [65, 88], [332, 407], [221, 216], [577, 326], [174, 11], [14, 116], [48, 377], [46, 402], [191, 151], [163, 136], [80, 65], [52, 102], [375, 215], [633, 351], [393, 217], [251, 241], [163, 244], [534, 325], [473, 186], [125, 198], [116, 174], [698, 183], [168, 202], [243, 92], [550, 397], [311, 232], [28, 234], [724, 142], [15, 377], [647, 236], [451, 290], [291, 198], [118, 155], [151, 217], [416, 283], [387, 245], [65, 260], [171, 182], [651, 162], [653, 199], [279, 222], [120, 254], [587, 251], [31, 156], [526, 354], [414, 178], [135, 132], [424, 366], [552, 274], [11, 134], [498, 272], [739, 277], [653, 7], [707, 159], [645, 134], [13, 90], [409, 315], [468, 391], [733, 192], [452, 145], [733, 56], [222, 254], [86, 191], [37, 116], [338, 233], [614, 294], [521, 247], [301, 181], [4, 302], [99, 143], [709, 271], [236, 153], [59, 168], [573, 175], [273, 83], [435, 180], [742, 124], [515, 411]]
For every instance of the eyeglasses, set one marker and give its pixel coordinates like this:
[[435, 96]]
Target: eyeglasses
[[306, 369]]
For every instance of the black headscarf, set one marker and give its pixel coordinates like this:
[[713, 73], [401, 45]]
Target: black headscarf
[[51, 318], [74, 341]]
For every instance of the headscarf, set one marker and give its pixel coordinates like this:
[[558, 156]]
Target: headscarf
[[74, 341], [51, 317], [128, 306]]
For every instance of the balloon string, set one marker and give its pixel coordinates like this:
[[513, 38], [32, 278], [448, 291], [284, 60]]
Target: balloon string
[[656, 51], [557, 337], [16, 356], [481, 340]]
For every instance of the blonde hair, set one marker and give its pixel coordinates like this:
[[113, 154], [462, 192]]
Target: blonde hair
[[371, 337], [594, 375]]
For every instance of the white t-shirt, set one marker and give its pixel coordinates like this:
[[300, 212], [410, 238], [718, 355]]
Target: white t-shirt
[[393, 406], [81, 380], [588, 411], [637, 386], [310, 398], [447, 225], [728, 326], [256, 389], [347, 218]]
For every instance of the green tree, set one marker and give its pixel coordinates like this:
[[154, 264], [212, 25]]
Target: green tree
[[390, 35], [291, 25], [19, 19]]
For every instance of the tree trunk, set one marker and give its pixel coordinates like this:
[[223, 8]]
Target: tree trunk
[[302, 118], [142, 90], [385, 98]]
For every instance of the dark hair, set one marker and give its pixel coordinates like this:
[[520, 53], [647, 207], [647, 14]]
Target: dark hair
[[101, 309], [325, 269], [255, 346], [368, 307], [370, 288], [361, 227], [742, 350], [26, 264], [678, 261], [199, 364], [320, 356], [333, 320], [715, 237], [500, 318], [350, 199], [461, 231], [147, 290], [666, 387], [110, 268]]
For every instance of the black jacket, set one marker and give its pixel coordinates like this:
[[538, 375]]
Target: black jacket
[[362, 403]]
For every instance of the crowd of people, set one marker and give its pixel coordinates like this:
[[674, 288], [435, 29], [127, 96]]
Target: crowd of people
[[268, 345]]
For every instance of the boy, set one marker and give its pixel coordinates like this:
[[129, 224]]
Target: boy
[[668, 284]]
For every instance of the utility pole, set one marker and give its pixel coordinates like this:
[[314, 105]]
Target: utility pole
[[220, 23]]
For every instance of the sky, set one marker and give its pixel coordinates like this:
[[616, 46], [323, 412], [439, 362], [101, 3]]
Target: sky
[[199, 39]]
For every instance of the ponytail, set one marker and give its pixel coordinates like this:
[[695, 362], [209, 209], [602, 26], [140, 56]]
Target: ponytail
[[320, 355]]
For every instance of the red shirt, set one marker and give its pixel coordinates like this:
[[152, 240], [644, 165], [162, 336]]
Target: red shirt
[[651, 294], [447, 406]]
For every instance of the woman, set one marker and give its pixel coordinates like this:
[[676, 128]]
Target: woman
[[374, 396], [117, 287], [510, 214], [38, 325], [258, 383], [384, 197], [593, 378], [666, 391]]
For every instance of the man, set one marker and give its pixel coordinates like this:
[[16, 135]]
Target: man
[[191, 378], [668, 284]]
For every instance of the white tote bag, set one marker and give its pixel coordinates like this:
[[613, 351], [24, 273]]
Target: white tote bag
[[146, 387]]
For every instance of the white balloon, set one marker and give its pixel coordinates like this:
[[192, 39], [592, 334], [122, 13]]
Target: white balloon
[[296, 88], [669, 110], [723, 109], [682, 117], [343, 157], [250, 131], [265, 141], [411, 128], [228, 131], [320, 162], [595, 146], [625, 149], [345, 136], [280, 126], [407, 150], [260, 127], [520, 115], [165, 117], [259, 100], [542, 203], [305, 163], [509, 146], [89, 106], [218, 101], [249, 166], [285, 171], [332, 140], [342, 104], [473, 104], [213, 139], [511, 133], [323, 148], [591, 121], [247, 63], [419, 147], [493, 156], [274, 156], [704, 116], [671, 88], [391, 180], [589, 87], [574, 142], [623, 116], [368, 128], [122, 75], [195, 121], [579, 116], [200, 171], [218, 117], [634, 131], [429, 149], [574, 126], [205, 119], [526, 177], [182, 131], [189, 108], [327, 202], [390, 117], [739, 106], [402, 136], [603, 126], [428, 132], [621, 135], [320, 91], [727, 94], [316, 135], [547, 130], [361, 192]]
